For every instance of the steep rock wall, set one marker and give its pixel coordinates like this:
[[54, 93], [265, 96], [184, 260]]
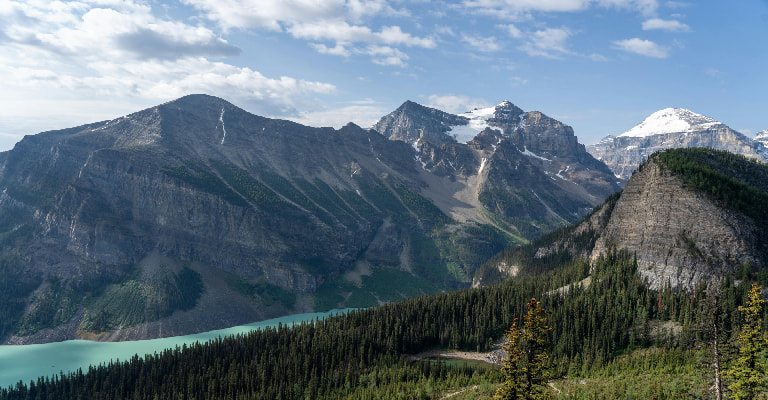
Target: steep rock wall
[[678, 235]]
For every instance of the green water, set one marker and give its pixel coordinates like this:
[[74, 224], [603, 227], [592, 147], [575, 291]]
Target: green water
[[26, 363]]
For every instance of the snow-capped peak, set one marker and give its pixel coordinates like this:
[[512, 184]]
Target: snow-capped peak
[[670, 120], [762, 136]]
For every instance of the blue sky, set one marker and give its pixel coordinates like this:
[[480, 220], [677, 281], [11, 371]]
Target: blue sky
[[600, 66]]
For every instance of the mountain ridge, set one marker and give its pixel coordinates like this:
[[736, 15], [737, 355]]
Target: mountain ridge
[[671, 128], [151, 224]]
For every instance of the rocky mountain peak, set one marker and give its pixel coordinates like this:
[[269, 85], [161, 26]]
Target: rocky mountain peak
[[671, 128], [412, 121], [506, 112], [762, 137], [670, 120]]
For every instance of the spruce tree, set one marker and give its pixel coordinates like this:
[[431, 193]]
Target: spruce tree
[[527, 367], [747, 374]]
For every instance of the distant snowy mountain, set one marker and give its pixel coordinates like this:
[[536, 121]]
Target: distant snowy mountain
[[673, 128], [762, 137], [671, 120]]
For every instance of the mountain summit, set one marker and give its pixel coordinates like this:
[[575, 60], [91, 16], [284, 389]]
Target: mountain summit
[[762, 137], [671, 128], [524, 166], [671, 120]]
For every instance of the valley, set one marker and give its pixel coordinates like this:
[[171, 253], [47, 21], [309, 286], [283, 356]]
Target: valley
[[627, 284]]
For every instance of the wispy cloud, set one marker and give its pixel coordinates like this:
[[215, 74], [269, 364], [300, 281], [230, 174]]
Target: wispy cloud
[[520, 9], [479, 43], [455, 104], [643, 47], [336, 27], [665, 24], [549, 42], [512, 30], [363, 113]]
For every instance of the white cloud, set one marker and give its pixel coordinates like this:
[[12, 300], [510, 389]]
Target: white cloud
[[363, 114], [338, 21], [642, 47], [512, 30], [342, 31], [455, 104], [549, 42], [479, 43], [129, 31], [338, 50], [666, 25], [519, 9], [385, 55], [272, 14], [444, 30]]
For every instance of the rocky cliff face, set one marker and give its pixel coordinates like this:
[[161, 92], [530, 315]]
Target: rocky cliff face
[[678, 234], [671, 128], [525, 167], [682, 228]]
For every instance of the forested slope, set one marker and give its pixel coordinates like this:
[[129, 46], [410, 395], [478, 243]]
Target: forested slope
[[360, 354]]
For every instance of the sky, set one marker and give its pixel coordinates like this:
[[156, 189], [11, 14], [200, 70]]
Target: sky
[[600, 66]]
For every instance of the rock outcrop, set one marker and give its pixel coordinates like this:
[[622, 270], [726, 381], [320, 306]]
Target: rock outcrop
[[681, 227], [679, 235]]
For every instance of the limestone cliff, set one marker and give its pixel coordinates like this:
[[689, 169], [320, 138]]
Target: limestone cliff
[[687, 215]]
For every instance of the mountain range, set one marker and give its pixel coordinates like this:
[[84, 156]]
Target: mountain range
[[673, 128], [195, 214]]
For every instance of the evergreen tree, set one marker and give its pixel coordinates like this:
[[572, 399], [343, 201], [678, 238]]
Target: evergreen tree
[[747, 374], [527, 367]]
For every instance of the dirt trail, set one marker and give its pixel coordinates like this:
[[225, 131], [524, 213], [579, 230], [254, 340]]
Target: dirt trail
[[449, 395]]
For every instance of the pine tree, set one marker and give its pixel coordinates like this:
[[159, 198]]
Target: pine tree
[[747, 374], [527, 367]]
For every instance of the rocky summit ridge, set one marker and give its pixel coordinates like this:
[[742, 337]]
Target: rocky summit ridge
[[522, 165], [671, 128], [195, 214]]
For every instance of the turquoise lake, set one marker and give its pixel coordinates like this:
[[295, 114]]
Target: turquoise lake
[[29, 362]]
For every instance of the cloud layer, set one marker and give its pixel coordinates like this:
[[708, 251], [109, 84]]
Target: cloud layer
[[146, 52]]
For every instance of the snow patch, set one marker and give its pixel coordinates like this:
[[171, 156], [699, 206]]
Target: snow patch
[[80, 175], [531, 154], [482, 165], [478, 121], [221, 119], [497, 143]]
